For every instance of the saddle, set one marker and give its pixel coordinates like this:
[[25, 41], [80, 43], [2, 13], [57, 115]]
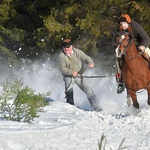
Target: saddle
[[146, 56]]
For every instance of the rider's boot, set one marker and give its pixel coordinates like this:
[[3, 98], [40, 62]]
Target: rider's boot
[[69, 97], [121, 85]]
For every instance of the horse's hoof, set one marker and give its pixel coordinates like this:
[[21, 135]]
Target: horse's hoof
[[136, 105], [148, 101]]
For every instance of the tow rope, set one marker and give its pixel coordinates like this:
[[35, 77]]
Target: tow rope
[[83, 76]]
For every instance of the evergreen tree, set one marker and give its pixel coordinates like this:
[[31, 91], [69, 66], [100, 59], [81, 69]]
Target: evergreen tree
[[38, 27]]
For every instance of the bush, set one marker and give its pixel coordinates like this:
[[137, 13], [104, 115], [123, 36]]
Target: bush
[[18, 103]]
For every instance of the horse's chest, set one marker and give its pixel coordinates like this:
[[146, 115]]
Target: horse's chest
[[134, 80]]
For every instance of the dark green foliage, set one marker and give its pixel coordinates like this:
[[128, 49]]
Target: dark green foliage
[[18, 103], [7, 56], [38, 26]]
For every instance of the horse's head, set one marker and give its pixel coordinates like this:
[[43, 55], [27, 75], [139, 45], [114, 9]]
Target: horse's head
[[123, 41]]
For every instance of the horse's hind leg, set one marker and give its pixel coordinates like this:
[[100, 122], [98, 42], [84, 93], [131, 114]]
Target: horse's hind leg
[[134, 99]]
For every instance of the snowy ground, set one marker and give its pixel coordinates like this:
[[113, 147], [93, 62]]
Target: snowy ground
[[66, 127]]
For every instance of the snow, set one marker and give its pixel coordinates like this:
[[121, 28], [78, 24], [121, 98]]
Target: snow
[[65, 127]]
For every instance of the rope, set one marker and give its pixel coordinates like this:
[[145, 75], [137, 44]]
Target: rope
[[83, 76]]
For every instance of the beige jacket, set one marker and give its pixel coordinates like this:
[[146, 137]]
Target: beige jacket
[[73, 63]]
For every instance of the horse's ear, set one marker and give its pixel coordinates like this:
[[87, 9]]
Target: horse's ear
[[124, 32], [119, 33]]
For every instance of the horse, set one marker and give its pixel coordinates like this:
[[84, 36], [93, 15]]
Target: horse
[[135, 71]]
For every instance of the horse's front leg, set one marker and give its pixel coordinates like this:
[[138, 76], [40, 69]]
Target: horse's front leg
[[133, 96], [129, 100]]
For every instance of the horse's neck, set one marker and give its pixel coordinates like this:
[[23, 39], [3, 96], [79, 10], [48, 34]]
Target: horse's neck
[[131, 51]]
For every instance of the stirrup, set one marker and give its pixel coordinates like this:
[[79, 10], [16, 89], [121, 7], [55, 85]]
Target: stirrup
[[120, 88]]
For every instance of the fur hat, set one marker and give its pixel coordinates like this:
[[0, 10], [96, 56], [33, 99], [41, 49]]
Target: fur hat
[[125, 18], [67, 42]]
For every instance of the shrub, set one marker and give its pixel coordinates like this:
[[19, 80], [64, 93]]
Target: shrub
[[18, 103]]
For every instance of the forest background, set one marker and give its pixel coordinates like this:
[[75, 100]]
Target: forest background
[[31, 29]]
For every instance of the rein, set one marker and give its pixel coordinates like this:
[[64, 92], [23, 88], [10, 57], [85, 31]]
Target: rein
[[134, 57], [127, 47], [84, 76]]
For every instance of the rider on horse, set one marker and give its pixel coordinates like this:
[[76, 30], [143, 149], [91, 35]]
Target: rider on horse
[[142, 41]]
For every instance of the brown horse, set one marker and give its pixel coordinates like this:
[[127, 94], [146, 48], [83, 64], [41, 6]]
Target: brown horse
[[135, 69]]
